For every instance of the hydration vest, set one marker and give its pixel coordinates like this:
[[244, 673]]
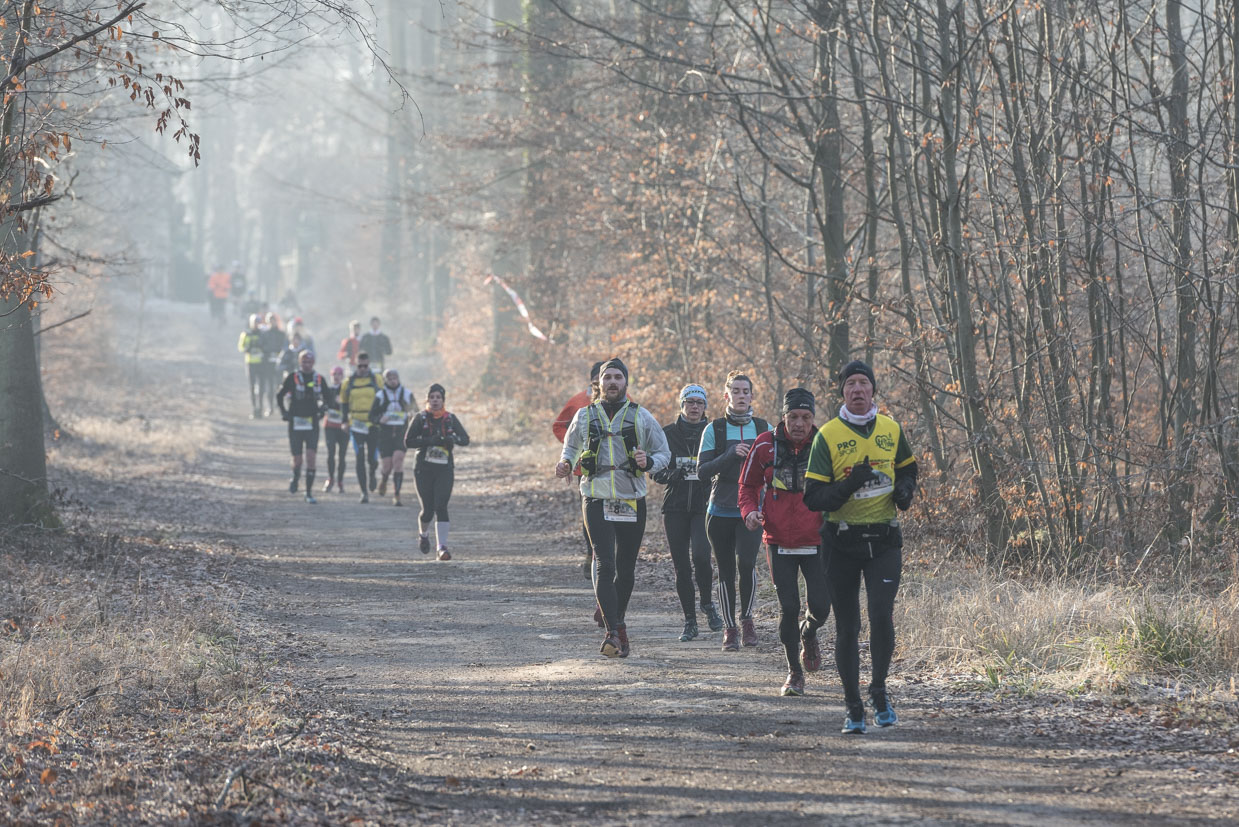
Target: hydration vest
[[596, 429], [789, 467], [299, 390]]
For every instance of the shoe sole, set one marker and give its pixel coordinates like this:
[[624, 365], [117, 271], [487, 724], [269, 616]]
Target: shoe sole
[[847, 731], [891, 722], [610, 651], [788, 692]]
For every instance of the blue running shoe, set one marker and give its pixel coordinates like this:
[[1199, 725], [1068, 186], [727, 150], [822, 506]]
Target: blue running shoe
[[854, 723], [883, 713]]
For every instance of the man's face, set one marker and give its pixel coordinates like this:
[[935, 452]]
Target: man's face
[[614, 385], [693, 409], [434, 401], [363, 367], [307, 362], [798, 424], [858, 394], [740, 395], [393, 380], [374, 325]]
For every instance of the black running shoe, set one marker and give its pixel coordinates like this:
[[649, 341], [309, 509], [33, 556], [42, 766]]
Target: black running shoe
[[423, 544], [713, 618], [690, 630], [292, 486], [374, 480]]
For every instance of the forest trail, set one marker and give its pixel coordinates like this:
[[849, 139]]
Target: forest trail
[[490, 700]]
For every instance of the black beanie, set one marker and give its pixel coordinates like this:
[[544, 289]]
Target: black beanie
[[436, 387], [616, 363], [799, 399], [595, 371], [854, 367]]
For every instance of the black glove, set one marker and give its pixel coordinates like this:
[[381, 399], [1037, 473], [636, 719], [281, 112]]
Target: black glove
[[287, 416], [862, 473], [902, 495]]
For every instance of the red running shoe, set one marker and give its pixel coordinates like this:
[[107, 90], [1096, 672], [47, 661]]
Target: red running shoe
[[810, 651], [731, 640], [611, 645], [748, 632], [622, 634]]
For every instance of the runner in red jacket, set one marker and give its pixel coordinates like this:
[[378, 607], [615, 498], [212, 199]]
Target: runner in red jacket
[[772, 496], [560, 428]]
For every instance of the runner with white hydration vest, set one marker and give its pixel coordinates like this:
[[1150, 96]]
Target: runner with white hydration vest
[[390, 414], [616, 442]]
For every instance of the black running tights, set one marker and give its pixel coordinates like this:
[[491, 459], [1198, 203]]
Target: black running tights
[[843, 574], [690, 554], [434, 489], [785, 571], [337, 446], [732, 544], [615, 559]]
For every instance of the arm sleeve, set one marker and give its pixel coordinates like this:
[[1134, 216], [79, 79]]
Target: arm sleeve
[[663, 476], [653, 437], [821, 492], [753, 476], [712, 461], [413, 433], [458, 432], [573, 441], [376, 409], [285, 390]]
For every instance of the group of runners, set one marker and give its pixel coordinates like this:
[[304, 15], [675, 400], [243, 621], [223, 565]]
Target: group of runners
[[822, 497], [369, 407]]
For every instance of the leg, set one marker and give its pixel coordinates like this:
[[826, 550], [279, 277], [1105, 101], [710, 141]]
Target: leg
[[423, 481], [331, 453], [628, 538], [882, 574], [722, 534], [703, 567], [361, 449], [679, 536], [602, 541], [311, 453], [442, 493], [817, 596], [748, 544], [843, 579], [784, 573], [397, 463]]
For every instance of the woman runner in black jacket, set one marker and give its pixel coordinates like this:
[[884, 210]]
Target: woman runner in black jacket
[[434, 433]]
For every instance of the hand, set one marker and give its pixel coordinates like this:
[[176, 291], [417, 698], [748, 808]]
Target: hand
[[287, 416], [753, 520], [902, 495], [742, 449], [640, 456], [562, 469], [862, 472]]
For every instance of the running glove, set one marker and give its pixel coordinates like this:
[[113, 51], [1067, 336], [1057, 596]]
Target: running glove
[[902, 495], [862, 472]]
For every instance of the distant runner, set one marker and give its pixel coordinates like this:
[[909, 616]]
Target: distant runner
[[250, 344], [376, 343], [308, 397], [356, 399], [336, 433], [435, 433], [390, 415], [560, 428]]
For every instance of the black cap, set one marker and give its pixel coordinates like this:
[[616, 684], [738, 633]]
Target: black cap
[[799, 399], [854, 367], [436, 387], [616, 363], [595, 371]]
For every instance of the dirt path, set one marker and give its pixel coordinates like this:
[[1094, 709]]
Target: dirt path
[[487, 697]]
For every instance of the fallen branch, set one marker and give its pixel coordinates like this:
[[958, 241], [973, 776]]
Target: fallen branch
[[65, 321], [232, 776]]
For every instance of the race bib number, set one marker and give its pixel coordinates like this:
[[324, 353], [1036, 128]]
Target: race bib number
[[619, 511], [875, 488], [437, 454], [359, 426], [303, 423], [802, 550], [335, 417], [689, 466], [393, 418]]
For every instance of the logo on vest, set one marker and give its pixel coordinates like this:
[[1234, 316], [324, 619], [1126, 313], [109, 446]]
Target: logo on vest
[[885, 441]]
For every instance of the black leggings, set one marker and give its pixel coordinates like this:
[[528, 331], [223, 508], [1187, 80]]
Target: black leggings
[[337, 445], [844, 569], [615, 559], [365, 448], [784, 571], [733, 543], [255, 371], [690, 554], [434, 489]]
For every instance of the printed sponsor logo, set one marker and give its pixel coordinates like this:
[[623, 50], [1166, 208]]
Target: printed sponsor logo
[[884, 441]]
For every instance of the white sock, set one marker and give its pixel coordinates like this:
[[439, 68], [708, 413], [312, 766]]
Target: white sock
[[425, 529], [441, 531]]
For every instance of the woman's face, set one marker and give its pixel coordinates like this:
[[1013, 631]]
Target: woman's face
[[434, 401], [740, 395]]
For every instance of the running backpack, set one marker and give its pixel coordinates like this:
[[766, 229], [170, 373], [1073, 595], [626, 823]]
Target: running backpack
[[720, 430], [596, 431]]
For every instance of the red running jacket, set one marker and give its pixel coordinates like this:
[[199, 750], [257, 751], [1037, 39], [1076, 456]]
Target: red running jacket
[[788, 522]]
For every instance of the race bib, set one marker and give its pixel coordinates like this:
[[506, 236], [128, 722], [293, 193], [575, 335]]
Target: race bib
[[689, 465], [396, 418], [803, 550], [876, 487], [303, 423], [437, 454], [359, 426], [335, 417], [619, 511]]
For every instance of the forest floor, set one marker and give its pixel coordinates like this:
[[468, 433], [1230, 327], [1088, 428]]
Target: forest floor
[[332, 674]]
